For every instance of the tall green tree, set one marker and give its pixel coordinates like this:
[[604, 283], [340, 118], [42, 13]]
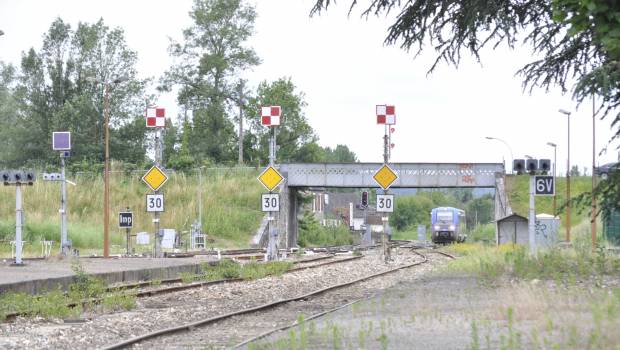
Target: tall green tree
[[340, 154], [10, 129], [206, 69], [295, 138], [57, 90]]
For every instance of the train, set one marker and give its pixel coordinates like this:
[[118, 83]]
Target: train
[[448, 225]]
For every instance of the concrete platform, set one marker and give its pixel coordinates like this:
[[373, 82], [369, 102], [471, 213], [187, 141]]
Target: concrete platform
[[37, 276]]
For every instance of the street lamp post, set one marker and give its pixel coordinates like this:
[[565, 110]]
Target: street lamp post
[[593, 215], [567, 113], [554, 160], [507, 145], [106, 160]]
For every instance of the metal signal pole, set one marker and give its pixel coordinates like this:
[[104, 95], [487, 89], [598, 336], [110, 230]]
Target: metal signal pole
[[387, 254], [63, 209], [158, 158], [272, 248]]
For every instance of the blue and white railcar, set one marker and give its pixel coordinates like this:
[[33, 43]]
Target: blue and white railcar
[[448, 225]]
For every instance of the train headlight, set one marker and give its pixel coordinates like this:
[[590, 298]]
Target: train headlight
[[451, 227], [436, 227]]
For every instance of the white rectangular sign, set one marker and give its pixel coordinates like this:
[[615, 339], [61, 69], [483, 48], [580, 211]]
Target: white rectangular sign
[[270, 202], [154, 202], [385, 203]]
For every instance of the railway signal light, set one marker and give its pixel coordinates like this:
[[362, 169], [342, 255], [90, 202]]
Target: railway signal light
[[13, 177], [518, 165], [364, 199], [532, 166], [544, 165]]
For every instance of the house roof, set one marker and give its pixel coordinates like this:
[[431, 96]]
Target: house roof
[[512, 217]]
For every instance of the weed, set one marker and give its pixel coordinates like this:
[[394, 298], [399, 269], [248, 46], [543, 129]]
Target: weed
[[335, 338], [156, 282], [188, 277], [475, 343], [119, 301]]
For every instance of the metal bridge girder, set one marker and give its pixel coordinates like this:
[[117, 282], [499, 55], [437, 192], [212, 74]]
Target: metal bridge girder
[[410, 175]]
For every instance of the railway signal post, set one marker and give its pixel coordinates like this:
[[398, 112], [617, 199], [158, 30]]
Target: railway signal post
[[18, 178], [61, 142], [155, 177], [271, 178], [385, 176]]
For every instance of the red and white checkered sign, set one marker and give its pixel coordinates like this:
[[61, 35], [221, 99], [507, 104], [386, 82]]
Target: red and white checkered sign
[[386, 115], [155, 117], [270, 115]]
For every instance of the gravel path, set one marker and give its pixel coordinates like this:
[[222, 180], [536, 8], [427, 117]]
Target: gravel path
[[184, 307]]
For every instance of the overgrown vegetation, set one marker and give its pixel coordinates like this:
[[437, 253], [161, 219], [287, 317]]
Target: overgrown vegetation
[[230, 207], [491, 264], [85, 293], [228, 269], [312, 233]]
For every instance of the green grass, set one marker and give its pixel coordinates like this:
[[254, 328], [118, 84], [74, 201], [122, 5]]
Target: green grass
[[230, 208], [517, 188], [312, 234], [228, 269], [56, 304], [491, 264]]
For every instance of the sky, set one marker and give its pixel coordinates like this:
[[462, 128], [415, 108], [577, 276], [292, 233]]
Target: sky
[[343, 68]]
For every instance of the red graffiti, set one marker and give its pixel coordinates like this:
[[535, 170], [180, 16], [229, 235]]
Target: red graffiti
[[468, 179]]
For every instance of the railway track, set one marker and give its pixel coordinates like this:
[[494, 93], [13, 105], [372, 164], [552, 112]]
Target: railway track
[[316, 302], [149, 289]]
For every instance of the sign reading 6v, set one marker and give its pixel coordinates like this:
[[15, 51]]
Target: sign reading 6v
[[154, 202], [385, 203], [270, 202], [545, 185]]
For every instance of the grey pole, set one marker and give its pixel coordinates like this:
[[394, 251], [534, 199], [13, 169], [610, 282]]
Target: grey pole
[[386, 226], [157, 242], [64, 246], [272, 248], [200, 199], [18, 224], [532, 217]]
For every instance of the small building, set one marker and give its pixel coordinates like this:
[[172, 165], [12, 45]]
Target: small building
[[512, 229]]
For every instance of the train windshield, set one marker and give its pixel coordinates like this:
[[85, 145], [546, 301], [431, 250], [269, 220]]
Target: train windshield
[[444, 216]]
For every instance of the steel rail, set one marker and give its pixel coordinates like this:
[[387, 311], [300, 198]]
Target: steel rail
[[296, 323], [142, 294], [206, 321]]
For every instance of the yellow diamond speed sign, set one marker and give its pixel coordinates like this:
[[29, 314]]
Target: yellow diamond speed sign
[[385, 176], [270, 178], [155, 178]]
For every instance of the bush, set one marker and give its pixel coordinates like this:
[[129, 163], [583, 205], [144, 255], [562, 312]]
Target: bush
[[311, 233]]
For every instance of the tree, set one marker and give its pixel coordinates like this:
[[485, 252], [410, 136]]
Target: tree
[[578, 42], [340, 154], [10, 129], [206, 67], [55, 93], [296, 139]]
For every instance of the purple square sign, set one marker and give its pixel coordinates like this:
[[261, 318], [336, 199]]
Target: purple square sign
[[61, 141]]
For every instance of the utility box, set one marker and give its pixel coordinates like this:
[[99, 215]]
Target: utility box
[[547, 227], [512, 229]]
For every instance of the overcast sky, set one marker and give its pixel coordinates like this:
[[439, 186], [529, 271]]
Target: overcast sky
[[344, 70]]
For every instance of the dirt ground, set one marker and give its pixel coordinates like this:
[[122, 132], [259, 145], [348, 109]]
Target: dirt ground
[[456, 312]]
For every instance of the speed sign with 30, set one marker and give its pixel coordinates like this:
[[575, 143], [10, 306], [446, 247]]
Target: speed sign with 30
[[270, 202], [385, 203], [154, 202]]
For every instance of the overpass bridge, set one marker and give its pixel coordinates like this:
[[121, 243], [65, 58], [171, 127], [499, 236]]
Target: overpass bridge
[[299, 176]]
